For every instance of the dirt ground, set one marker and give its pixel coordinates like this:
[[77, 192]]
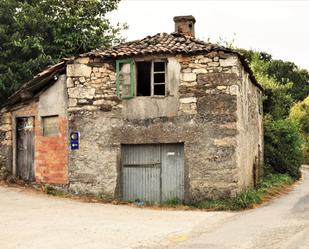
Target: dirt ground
[[29, 220]]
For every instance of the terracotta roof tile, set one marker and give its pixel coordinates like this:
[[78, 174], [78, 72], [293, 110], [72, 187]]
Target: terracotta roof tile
[[160, 43]]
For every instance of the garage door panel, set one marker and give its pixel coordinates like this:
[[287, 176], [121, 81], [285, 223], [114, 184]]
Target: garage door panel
[[153, 172], [172, 174], [141, 184], [141, 172], [140, 154]]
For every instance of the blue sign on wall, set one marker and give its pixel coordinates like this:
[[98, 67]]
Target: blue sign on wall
[[74, 140]]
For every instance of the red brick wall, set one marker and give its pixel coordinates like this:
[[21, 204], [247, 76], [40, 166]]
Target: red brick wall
[[51, 153]]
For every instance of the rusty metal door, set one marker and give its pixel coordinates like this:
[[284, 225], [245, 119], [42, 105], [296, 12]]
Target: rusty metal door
[[25, 148], [153, 172]]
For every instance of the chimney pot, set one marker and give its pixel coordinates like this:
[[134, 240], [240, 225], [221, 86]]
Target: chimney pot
[[185, 25]]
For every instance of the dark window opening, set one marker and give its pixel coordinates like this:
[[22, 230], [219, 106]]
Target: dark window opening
[[159, 78], [159, 89], [159, 66], [143, 78]]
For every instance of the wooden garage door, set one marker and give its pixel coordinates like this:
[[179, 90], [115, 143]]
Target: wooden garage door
[[153, 172], [25, 148]]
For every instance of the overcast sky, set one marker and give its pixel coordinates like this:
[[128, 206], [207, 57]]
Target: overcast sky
[[278, 27]]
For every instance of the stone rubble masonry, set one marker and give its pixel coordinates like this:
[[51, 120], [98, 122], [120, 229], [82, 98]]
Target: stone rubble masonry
[[91, 88], [5, 144], [207, 122]]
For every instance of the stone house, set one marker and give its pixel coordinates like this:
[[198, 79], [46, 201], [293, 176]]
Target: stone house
[[164, 117]]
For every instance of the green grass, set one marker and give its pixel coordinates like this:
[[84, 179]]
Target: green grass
[[54, 191], [267, 187], [171, 203]]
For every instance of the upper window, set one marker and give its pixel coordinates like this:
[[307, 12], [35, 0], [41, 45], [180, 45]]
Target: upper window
[[159, 78], [50, 126], [150, 78]]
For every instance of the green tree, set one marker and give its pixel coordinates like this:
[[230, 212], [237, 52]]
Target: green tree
[[285, 72], [300, 113], [282, 72], [277, 99], [34, 34]]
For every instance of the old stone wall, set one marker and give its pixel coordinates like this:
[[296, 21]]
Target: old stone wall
[[5, 144], [94, 112], [204, 118], [250, 144], [208, 89]]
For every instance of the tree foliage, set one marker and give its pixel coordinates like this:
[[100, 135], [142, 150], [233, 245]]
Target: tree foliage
[[34, 34], [284, 73], [282, 150], [300, 113], [285, 139], [277, 99]]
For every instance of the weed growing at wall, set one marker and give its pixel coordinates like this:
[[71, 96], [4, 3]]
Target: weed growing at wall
[[267, 187]]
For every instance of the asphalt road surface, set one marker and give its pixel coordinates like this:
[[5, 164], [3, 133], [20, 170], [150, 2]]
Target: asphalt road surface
[[36, 221]]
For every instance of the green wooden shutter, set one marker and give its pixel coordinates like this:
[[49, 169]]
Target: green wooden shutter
[[125, 78]]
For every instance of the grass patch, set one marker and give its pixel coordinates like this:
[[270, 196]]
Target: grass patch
[[54, 191], [267, 187], [171, 203]]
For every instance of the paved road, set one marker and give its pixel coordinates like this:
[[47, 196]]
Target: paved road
[[35, 221], [282, 224]]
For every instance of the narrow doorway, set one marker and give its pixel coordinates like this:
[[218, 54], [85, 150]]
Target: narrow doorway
[[25, 148]]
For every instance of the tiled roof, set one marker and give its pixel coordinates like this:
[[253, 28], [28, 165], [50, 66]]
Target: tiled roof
[[160, 43], [163, 43]]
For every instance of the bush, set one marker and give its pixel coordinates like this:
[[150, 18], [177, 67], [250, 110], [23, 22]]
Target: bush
[[283, 142]]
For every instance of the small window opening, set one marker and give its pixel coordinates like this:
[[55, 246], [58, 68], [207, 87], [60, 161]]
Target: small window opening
[[143, 78], [190, 25], [50, 126], [159, 78]]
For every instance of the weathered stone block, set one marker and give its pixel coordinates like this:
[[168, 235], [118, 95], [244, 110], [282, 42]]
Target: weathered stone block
[[205, 60], [234, 89], [221, 87], [81, 93], [217, 103], [187, 100], [227, 141], [217, 79], [72, 102], [78, 70], [199, 70], [228, 62], [213, 64], [188, 76], [70, 82]]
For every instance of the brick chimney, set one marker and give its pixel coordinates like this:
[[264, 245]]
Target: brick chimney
[[184, 25]]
